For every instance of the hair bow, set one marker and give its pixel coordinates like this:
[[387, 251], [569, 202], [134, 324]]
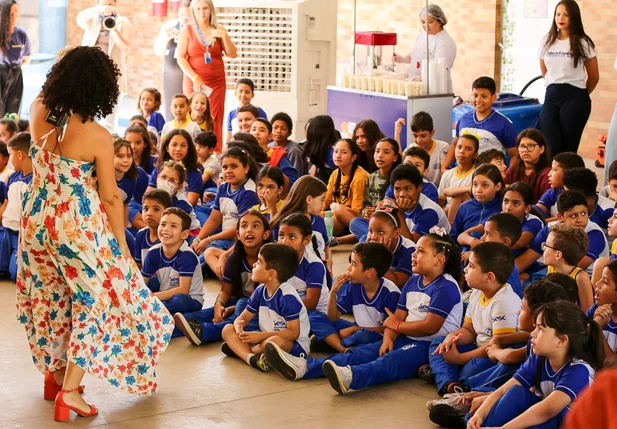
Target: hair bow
[[387, 205], [438, 230]]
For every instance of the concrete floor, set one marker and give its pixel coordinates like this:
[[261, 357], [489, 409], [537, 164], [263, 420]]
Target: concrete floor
[[199, 387]]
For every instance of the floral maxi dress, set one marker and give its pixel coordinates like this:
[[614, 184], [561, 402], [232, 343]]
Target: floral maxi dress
[[78, 297]]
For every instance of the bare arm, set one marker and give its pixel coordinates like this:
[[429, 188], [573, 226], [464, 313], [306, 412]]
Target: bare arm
[[108, 190], [182, 51], [593, 74], [193, 198], [449, 159], [123, 36], [585, 290], [543, 68], [398, 279], [523, 242], [465, 238], [524, 260], [85, 16], [228, 46]]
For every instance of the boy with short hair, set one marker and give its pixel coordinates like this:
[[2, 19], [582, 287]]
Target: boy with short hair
[[421, 159], [261, 129], [154, 204], [492, 128], [282, 127], [565, 246], [367, 296], [245, 91], [449, 412], [572, 210], [495, 157], [19, 148], [455, 185], [180, 108], [5, 170], [560, 164], [283, 318], [423, 132], [246, 115], [506, 229], [175, 265], [492, 311], [610, 190], [205, 143], [417, 214], [585, 181]]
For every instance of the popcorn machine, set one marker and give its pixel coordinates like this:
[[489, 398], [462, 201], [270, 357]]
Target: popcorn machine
[[374, 50]]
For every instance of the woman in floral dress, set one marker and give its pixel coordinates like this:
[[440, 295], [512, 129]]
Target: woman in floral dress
[[81, 297]]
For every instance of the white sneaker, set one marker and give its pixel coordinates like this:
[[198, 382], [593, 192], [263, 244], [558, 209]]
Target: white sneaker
[[289, 366], [450, 399], [339, 376]]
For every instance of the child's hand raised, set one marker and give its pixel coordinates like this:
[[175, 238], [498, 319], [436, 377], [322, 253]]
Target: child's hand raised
[[603, 314], [340, 280], [399, 124]]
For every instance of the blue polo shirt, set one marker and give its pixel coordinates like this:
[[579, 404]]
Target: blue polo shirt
[[19, 47]]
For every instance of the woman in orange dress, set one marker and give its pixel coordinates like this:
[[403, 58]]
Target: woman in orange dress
[[200, 56]]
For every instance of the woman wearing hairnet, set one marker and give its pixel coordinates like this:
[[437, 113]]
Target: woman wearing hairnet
[[440, 44]]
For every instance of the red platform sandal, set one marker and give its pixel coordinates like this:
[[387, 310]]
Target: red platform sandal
[[61, 409], [51, 388]]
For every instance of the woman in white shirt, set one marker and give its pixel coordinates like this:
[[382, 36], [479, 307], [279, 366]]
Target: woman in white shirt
[[165, 45], [569, 64], [440, 44]]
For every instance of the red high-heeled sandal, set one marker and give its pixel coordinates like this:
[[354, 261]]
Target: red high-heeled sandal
[[61, 409], [51, 388]]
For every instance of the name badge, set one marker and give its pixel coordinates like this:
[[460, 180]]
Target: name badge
[[208, 58]]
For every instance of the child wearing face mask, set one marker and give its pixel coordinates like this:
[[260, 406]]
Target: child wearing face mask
[[171, 179]]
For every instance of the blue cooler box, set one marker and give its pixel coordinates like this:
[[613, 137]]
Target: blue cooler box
[[524, 112]]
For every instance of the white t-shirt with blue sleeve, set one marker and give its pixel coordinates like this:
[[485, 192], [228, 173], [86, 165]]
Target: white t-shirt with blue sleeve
[[232, 203], [143, 244], [570, 379], [181, 201], [495, 131], [442, 297], [232, 120], [248, 285], [312, 274], [549, 200], [425, 215], [401, 257], [193, 183], [369, 313], [16, 186], [275, 311], [184, 263]]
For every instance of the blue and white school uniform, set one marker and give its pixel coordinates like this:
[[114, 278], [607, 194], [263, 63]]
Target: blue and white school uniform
[[425, 215], [441, 297], [311, 274], [549, 200], [16, 186], [275, 311], [181, 201], [602, 212], [286, 168], [319, 232], [169, 271], [143, 244], [232, 204], [488, 316], [157, 121], [401, 257], [141, 185], [598, 246], [150, 166], [232, 119], [570, 379], [194, 181], [210, 331], [609, 330], [428, 188], [472, 213], [494, 132], [127, 188]]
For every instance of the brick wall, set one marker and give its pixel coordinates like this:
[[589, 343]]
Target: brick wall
[[476, 27]]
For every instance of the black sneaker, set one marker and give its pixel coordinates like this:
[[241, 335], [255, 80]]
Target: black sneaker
[[190, 328], [447, 417], [227, 351], [333, 242], [425, 373]]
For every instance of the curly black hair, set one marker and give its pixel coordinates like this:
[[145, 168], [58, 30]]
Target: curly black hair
[[84, 81], [5, 22]]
